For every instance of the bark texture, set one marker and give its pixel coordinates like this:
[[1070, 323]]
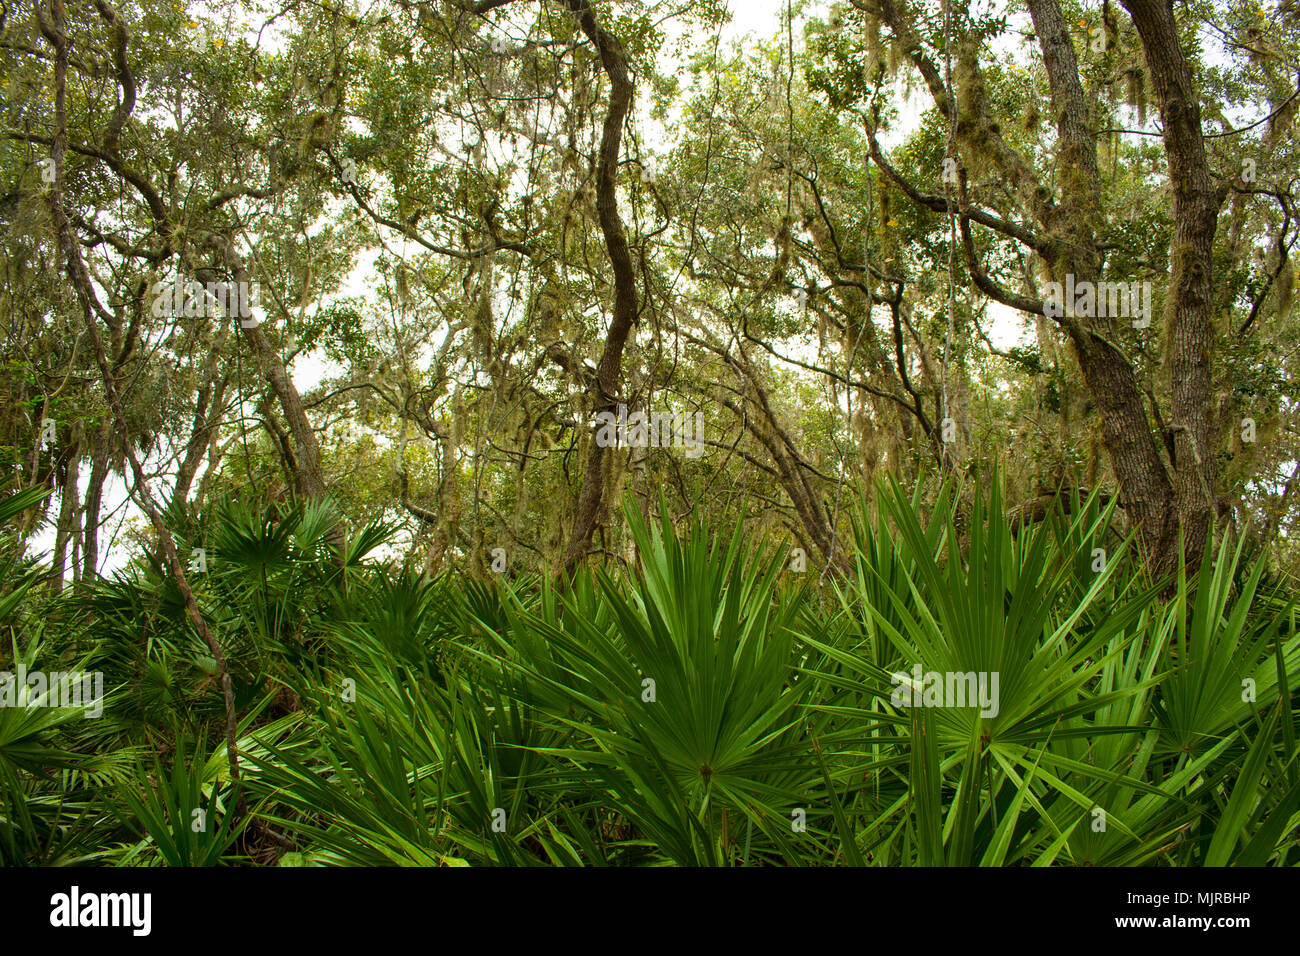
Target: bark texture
[[614, 63]]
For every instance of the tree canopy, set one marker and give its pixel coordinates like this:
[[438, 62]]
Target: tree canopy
[[475, 228]]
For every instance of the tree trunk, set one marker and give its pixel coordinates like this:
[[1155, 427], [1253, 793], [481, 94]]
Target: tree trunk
[[1159, 501], [620, 257], [307, 465], [1189, 323], [94, 501], [207, 419], [69, 505], [54, 32], [1145, 489]]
